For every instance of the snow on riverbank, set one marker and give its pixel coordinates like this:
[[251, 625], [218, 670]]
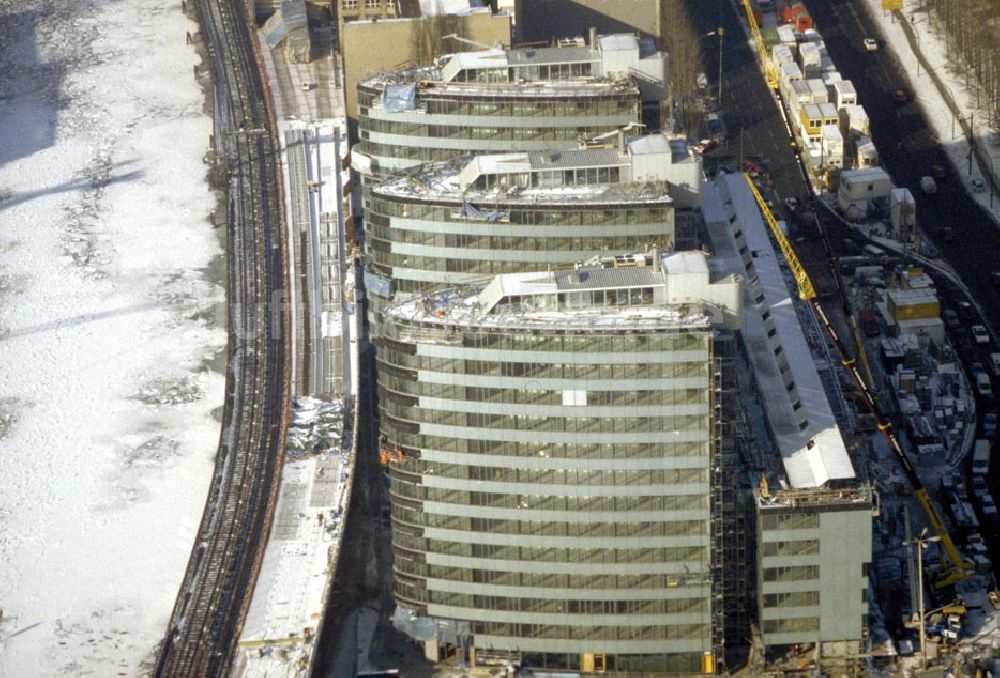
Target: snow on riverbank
[[109, 397]]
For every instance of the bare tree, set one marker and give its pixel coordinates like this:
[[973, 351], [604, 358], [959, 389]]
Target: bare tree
[[972, 27], [429, 41], [682, 43]]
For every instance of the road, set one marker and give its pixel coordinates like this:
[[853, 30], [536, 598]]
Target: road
[[751, 113], [908, 148], [225, 560], [875, 75]]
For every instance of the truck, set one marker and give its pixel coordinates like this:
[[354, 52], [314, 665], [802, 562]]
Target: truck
[[928, 185], [876, 254], [981, 457]]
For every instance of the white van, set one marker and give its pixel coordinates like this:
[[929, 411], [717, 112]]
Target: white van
[[983, 385]]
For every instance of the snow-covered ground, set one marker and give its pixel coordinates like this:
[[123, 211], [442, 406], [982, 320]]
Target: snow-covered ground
[[109, 398], [933, 45]]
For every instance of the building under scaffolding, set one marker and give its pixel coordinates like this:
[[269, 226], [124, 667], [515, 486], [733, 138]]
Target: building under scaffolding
[[556, 447]]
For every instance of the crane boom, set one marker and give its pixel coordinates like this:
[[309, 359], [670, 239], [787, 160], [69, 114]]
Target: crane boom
[[770, 74], [954, 568]]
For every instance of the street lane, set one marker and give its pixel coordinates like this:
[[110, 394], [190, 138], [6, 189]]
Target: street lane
[[908, 148]]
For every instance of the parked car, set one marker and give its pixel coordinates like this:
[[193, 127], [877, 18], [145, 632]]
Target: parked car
[[966, 310], [870, 44], [983, 386], [951, 319], [900, 96], [792, 203], [939, 171], [980, 334], [995, 277], [978, 185]]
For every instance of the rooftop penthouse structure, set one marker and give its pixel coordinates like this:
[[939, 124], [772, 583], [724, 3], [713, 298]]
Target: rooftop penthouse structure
[[553, 444], [480, 216], [496, 100]]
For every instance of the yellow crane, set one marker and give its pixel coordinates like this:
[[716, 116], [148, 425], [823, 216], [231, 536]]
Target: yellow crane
[[953, 568], [770, 73]]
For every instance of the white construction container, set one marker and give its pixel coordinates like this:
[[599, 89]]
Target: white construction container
[[854, 121], [790, 72], [799, 95], [830, 77], [810, 59], [819, 91], [859, 186], [814, 155], [843, 94], [902, 209], [867, 154], [833, 146], [786, 34], [782, 53]]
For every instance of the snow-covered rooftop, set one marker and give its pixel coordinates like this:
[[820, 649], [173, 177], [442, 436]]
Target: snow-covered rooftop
[[613, 61], [288, 602], [816, 455], [685, 293], [511, 178]]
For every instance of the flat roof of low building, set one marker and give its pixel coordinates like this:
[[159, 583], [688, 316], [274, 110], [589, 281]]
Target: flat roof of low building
[[816, 455], [864, 174]]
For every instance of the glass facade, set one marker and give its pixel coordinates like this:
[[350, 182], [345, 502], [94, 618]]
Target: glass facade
[[491, 118], [422, 245], [812, 569], [552, 489]]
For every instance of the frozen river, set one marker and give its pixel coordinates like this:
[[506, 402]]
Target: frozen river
[[110, 389]]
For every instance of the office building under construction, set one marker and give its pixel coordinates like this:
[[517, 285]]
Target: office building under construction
[[476, 217], [555, 443], [496, 101]]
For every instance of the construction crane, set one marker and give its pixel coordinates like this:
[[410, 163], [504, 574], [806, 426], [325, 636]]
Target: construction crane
[[475, 43], [953, 568], [770, 73]]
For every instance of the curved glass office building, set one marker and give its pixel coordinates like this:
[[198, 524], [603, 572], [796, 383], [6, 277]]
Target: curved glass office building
[[496, 101], [477, 217], [552, 442]]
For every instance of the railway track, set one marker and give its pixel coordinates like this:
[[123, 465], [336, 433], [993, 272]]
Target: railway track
[[211, 604]]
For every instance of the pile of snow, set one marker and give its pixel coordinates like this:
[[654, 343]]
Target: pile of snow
[[109, 395], [316, 425]]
